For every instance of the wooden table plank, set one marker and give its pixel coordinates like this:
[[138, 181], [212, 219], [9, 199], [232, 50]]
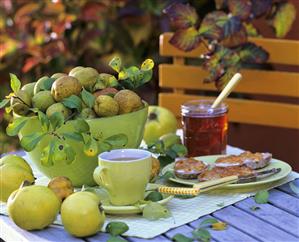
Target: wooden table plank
[[11, 232], [228, 235], [252, 226], [284, 201], [272, 215], [98, 237], [286, 188]]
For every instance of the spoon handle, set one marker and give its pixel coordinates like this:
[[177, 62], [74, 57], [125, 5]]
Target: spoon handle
[[227, 89]]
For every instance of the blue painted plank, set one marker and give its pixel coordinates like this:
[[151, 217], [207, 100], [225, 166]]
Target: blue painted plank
[[98, 237], [273, 215], [228, 235], [156, 239], [286, 188], [253, 226], [184, 229], [11, 232], [284, 201]]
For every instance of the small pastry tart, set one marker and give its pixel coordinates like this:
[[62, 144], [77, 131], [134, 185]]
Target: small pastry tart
[[189, 168]]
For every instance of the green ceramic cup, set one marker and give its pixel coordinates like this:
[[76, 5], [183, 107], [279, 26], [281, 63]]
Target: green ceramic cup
[[81, 169], [124, 173]]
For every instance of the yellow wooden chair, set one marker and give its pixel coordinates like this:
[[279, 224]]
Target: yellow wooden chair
[[181, 78]]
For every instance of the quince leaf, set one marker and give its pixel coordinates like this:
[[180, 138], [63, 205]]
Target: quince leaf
[[179, 149], [47, 84], [29, 142], [147, 65], [45, 122], [47, 154], [201, 234], [259, 7], [88, 98], [219, 226], [70, 154], [15, 83], [81, 126], [116, 228], [261, 197], [181, 15], [4, 102], [56, 120], [74, 136], [283, 19], [15, 127], [165, 160], [103, 146], [209, 221], [109, 80], [181, 238], [115, 64], [186, 39], [73, 102], [251, 53], [117, 141], [240, 8], [154, 211], [91, 147]]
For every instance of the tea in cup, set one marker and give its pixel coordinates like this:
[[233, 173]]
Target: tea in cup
[[124, 173]]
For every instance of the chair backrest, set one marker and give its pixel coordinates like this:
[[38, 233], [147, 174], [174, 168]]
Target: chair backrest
[[181, 79]]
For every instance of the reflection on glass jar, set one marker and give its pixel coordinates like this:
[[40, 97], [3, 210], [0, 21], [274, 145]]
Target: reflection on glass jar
[[204, 128]]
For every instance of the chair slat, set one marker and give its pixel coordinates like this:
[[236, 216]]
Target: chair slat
[[243, 111], [253, 82], [281, 51]]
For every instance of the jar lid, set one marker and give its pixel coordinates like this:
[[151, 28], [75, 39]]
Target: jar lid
[[202, 108]]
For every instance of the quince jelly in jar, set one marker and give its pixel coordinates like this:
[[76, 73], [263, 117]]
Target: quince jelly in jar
[[204, 128]]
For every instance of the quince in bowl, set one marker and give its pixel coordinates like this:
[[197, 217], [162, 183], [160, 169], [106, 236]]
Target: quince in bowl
[[80, 119]]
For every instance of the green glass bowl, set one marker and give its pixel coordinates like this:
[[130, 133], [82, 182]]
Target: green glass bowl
[[81, 169]]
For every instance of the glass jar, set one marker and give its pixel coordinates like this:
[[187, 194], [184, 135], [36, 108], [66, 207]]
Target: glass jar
[[204, 127]]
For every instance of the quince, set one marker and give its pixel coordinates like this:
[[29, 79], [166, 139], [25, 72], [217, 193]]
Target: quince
[[87, 76], [13, 171], [29, 88], [64, 87], [128, 101], [33, 207], [106, 106], [61, 186], [42, 100], [40, 84], [57, 75], [81, 214], [20, 103], [60, 108]]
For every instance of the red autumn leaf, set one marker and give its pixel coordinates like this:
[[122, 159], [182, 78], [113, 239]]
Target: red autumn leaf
[[240, 8], [251, 53], [53, 8], [181, 15], [186, 39], [26, 10], [235, 39], [30, 62], [92, 11]]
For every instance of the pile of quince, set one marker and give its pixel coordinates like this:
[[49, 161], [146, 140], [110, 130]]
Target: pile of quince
[[34, 207], [82, 93]]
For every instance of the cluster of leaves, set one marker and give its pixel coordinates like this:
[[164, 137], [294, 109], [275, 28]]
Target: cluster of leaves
[[202, 233], [59, 149], [132, 77], [45, 35], [225, 33], [115, 229], [167, 153]]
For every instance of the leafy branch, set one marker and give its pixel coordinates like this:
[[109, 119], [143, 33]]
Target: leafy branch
[[225, 32]]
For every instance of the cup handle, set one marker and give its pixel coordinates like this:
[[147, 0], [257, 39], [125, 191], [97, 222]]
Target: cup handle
[[97, 176]]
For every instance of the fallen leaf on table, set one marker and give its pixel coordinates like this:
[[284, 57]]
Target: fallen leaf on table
[[181, 238], [219, 226], [294, 188], [254, 208], [209, 221], [201, 234], [261, 197]]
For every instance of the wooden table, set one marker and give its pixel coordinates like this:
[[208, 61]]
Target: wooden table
[[277, 220]]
